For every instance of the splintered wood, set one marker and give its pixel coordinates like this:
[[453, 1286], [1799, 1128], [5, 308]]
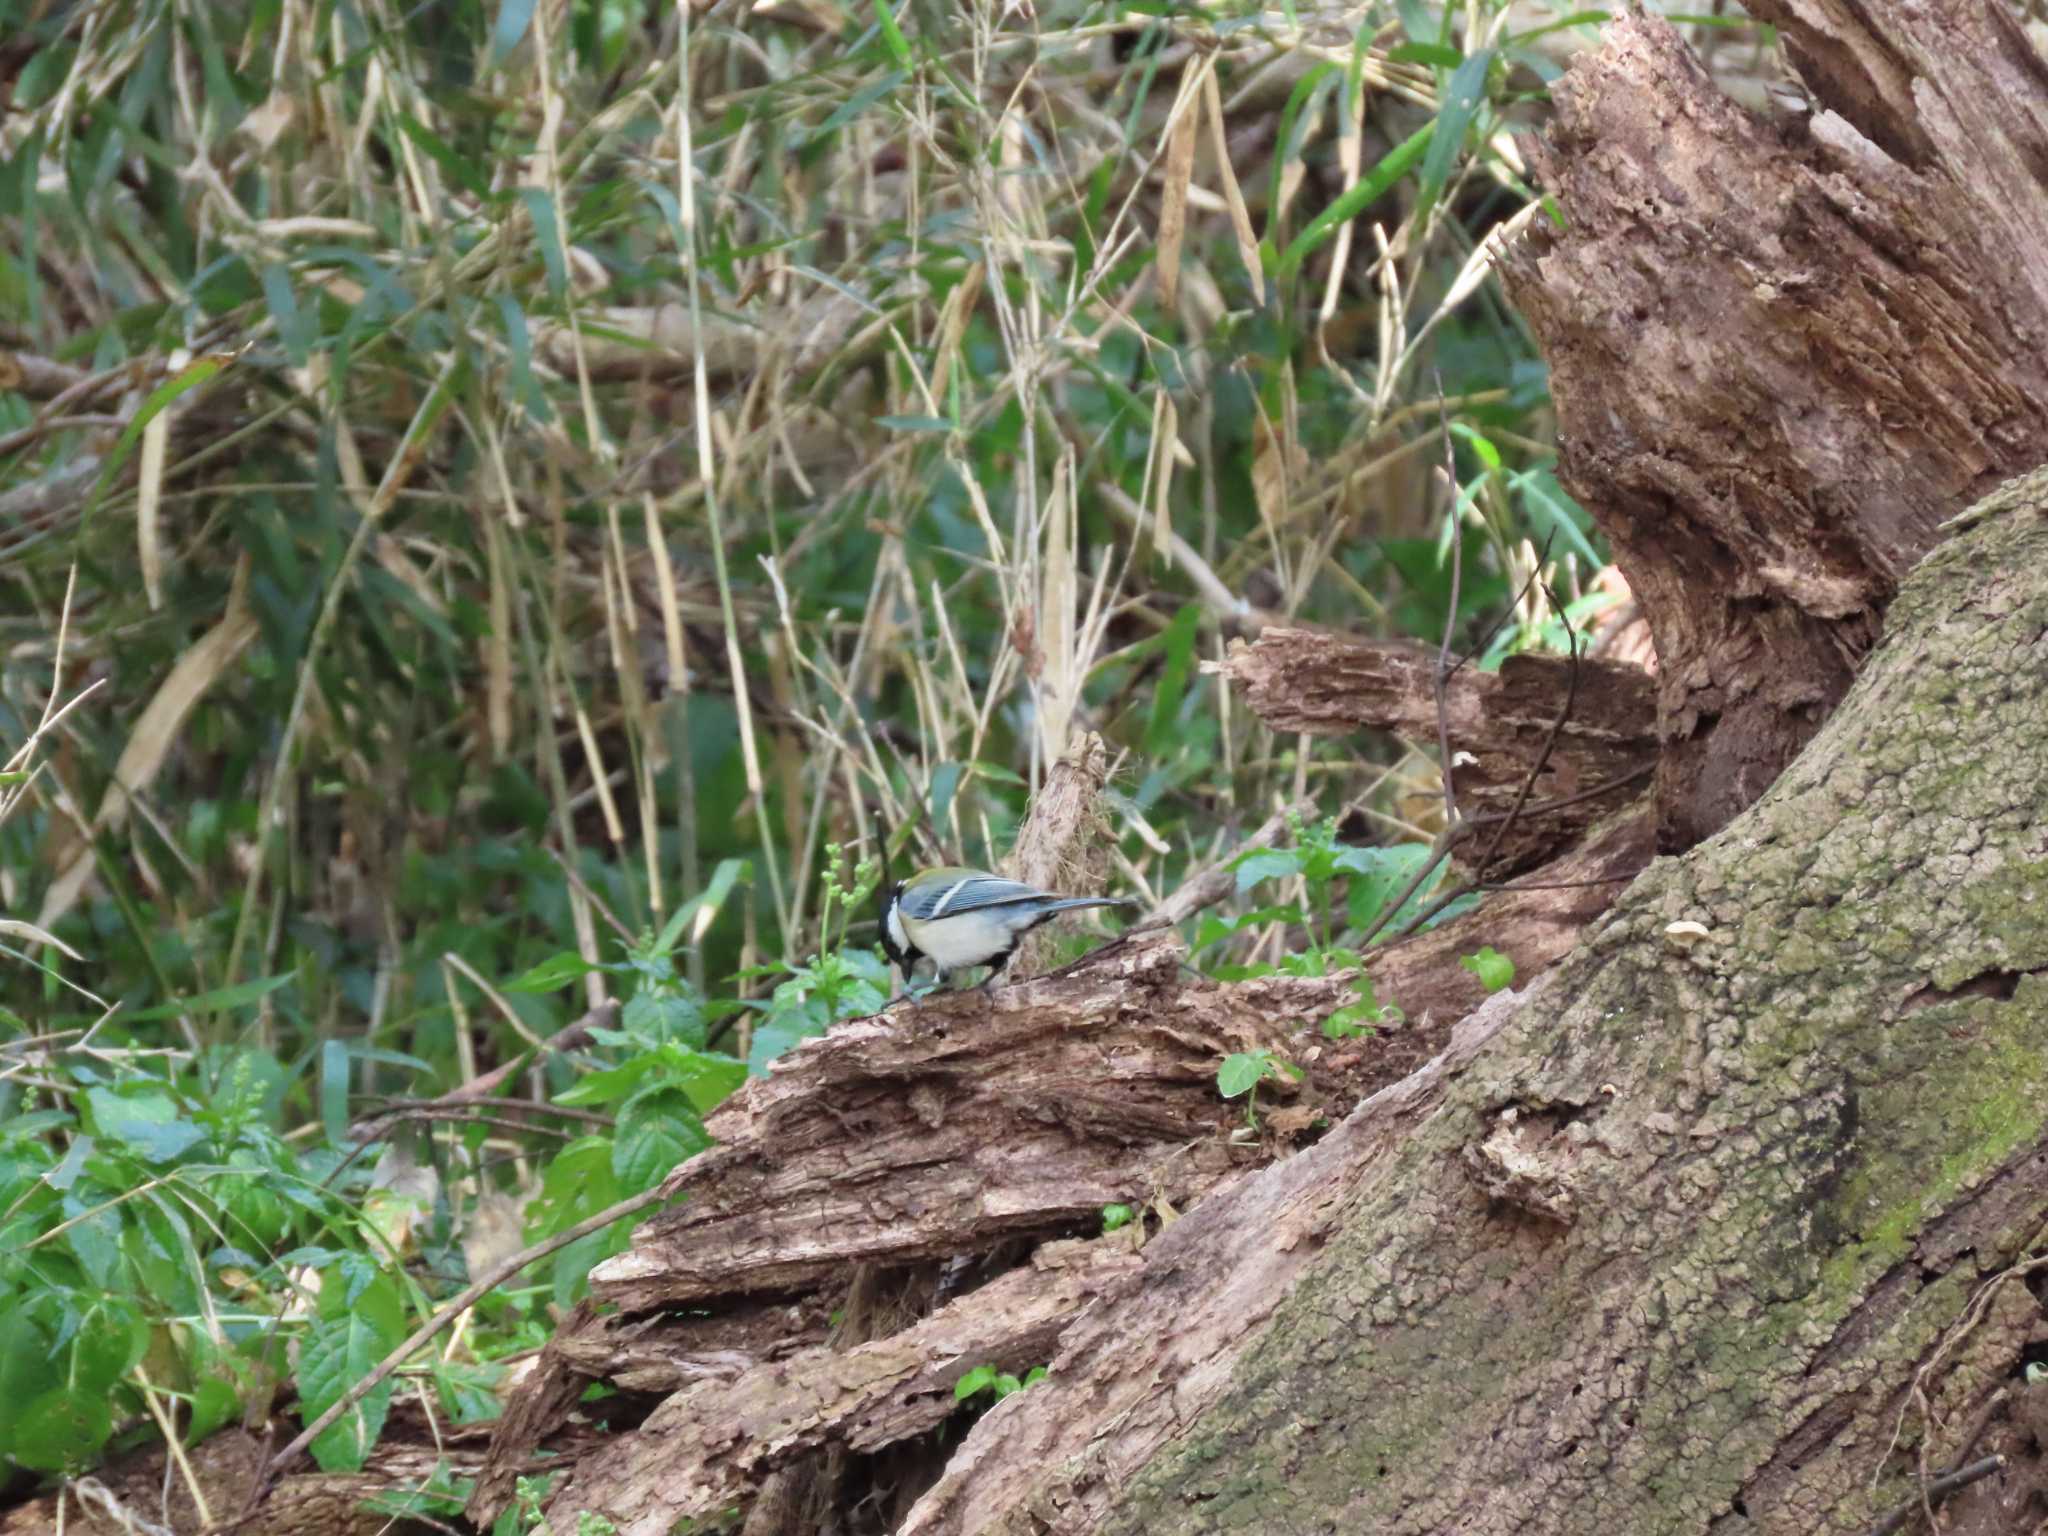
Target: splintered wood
[[1592, 730]]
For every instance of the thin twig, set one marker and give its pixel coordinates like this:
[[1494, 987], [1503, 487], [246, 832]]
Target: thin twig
[[1443, 650], [1932, 1493], [1564, 714]]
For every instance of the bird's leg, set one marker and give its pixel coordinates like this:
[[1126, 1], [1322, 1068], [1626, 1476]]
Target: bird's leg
[[998, 970]]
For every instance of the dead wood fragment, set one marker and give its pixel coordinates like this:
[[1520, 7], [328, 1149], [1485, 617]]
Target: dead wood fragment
[[1497, 723], [1059, 847], [1238, 1259], [940, 1128], [1784, 351], [707, 1448]]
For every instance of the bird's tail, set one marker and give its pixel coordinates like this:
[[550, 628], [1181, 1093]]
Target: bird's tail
[[1076, 903]]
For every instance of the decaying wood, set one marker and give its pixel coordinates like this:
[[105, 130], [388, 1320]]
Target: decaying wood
[[1662, 1245], [1534, 922], [706, 1449], [943, 1127], [1784, 351], [1499, 724], [1060, 846]]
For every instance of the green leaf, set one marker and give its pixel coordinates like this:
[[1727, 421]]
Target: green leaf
[[782, 1029], [295, 326], [1576, 19], [514, 17], [1266, 864], [608, 1086], [945, 783], [1479, 442], [729, 873], [190, 377], [1294, 123], [899, 46], [1542, 494], [556, 971], [858, 103], [345, 1343], [708, 1077], [915, 423], [63, 1429], [547, 231], [1436, 55], [148, 1123], [1419, 24], [1494, 969], [1241, 1072], [1114, 1216], [1162, 731], [1376, 876], [334, 1076], [221, 998], [1461, 101], [464, 173], [214, 1402], [659, 1014], [980, 1379], [657, 1131], [94, 1238], [1369, 189], [27, 1367], [111, 1337]]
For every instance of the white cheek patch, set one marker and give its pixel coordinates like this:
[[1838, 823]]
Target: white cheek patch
[[896, 934]]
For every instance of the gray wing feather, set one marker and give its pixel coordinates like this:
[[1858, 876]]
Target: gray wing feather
[[969, 893], [974, 893]]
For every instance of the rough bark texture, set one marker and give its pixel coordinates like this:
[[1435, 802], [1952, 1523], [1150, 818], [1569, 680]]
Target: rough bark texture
[[707, 1449], [942, 1128], [1660, 1247], [1783, 352], [1576, 728]]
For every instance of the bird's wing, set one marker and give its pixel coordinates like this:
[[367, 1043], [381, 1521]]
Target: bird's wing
[[968, 893]]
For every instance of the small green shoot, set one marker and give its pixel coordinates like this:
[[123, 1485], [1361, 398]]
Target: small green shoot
[[1241, 1073], [986, 1378], [1494, 969]]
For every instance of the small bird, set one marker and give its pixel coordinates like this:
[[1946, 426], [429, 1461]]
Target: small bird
[[961, 918]]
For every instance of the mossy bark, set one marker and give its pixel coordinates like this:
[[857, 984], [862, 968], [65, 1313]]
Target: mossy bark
[[1663, 1246]]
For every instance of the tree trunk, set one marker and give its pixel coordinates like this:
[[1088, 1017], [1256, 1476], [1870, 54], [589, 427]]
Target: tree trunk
[[1783, 352], [1723, 1223], [1666, 1244]]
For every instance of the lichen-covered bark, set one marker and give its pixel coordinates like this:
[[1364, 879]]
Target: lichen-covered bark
[[1783, 351], [1660, 1247]]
